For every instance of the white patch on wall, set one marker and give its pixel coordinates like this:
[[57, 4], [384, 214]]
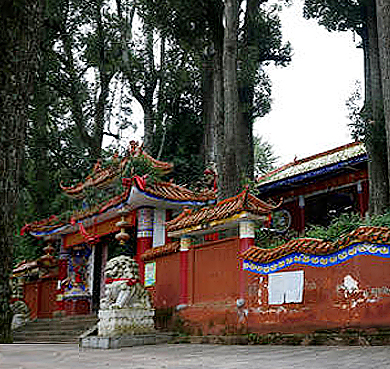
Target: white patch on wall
[[285, 287], [350, 285], [159, 227]]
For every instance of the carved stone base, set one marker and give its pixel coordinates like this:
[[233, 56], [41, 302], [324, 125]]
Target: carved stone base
[[134, 320]]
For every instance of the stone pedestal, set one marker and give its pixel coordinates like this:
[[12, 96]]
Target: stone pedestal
[[132, 320]]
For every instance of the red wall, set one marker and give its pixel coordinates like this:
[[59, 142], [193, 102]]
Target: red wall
[[325, 304], [30, 294], [212, 274], [167, 289], [40, 297], [213, 291], [214, 271]]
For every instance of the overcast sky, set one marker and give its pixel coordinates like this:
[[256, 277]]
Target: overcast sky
[[308, 112]]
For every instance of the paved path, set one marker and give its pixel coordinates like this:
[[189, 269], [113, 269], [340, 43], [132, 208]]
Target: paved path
[[45, 356]]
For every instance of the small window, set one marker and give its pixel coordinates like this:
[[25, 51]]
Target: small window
[[285, 287]]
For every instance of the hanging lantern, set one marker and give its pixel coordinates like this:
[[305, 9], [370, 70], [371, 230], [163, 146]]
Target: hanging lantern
[[122, 236]]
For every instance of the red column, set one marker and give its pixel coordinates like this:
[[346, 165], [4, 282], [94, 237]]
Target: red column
[[62, 274], [301, 204], [247, 239], [360, 199], [185, 243], [144, 237]]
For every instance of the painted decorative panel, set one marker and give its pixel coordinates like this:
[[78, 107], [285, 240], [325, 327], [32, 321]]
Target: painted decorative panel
[[335, 258]]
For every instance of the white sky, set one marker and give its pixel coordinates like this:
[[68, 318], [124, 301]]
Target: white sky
[[309, 114]]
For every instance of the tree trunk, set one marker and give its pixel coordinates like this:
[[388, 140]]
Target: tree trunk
[[218, 106], [246, 92], [208, 147], [105, 78], [376, 134], [383, 26], [233, 165], [150, 86], [19, 46]]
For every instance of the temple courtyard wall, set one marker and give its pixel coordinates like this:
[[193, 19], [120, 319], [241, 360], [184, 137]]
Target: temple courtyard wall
[[353, 293]]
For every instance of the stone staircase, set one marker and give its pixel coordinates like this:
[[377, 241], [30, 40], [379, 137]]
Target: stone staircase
[[55, 330]]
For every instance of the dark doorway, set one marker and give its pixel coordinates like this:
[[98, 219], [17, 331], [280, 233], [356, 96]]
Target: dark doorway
[[97, 272], [320, 210]]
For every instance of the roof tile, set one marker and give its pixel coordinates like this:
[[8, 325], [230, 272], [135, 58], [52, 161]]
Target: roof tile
[[317, 247], [313, 162], [222, 210], [159, 251]]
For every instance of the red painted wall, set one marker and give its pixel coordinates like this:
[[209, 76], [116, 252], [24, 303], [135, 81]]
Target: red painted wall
[[30, 293], [214, 271], [326, 304], [167, 289], [212, 274], [40, 297], [47, 296], [213, 292]]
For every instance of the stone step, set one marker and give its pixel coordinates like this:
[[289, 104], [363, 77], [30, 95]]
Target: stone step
[[55, 327], [62, 329], [47, 339]]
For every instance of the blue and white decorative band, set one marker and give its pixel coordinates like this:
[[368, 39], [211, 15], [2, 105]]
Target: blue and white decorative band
[[141, 234], [319, 261]]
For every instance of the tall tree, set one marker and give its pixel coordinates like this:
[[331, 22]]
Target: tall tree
[[260, 42], [85, 58], [233, 166], [205, 29], [383, 25], [360, 17], [20, 23]]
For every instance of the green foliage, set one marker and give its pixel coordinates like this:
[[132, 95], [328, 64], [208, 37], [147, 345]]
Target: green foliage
[[184, 138], [265, 157], [141, 166], [346, 223], [336, 15], [358, 125]]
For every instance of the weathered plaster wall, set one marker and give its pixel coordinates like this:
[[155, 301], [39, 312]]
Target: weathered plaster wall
[[355, 293], [166, 293]]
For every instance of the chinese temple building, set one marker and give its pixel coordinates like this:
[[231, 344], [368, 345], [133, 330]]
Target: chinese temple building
[[316, 188], [197, 258], [140, 210]]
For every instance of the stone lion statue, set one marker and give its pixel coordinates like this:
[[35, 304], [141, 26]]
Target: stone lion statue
[[123, 288]]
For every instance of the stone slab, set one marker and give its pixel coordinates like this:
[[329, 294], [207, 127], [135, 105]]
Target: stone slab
[[105, 343]]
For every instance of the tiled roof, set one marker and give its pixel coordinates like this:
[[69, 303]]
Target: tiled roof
[[222, 210], [159, 190], [104, 177], [137, 151], [25, 266], [101, 178], [315, 162], [171, 191], [159, 251], [317, 247]]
